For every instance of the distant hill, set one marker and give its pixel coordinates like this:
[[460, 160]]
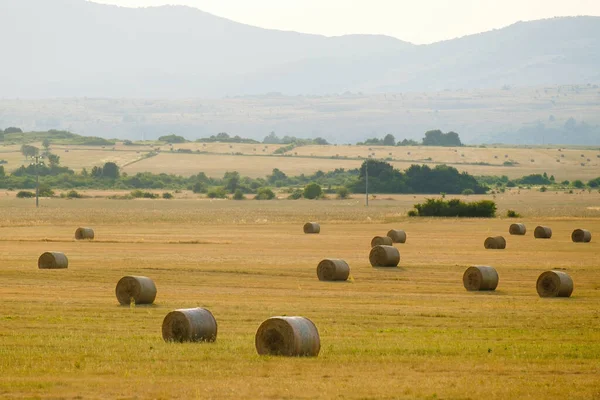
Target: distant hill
[[74, 48]]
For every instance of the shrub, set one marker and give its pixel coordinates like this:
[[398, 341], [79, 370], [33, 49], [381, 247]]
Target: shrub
[[198, 187], [264, 194], [167, 195], [512, 214], [413, 213], [343, 193], [578, 184], [138, 194], [543, 189], [312, 191], [296, 194], [73, 194], [238, 195], [456, 208], [217, 193], [467, 192], [24, 194]]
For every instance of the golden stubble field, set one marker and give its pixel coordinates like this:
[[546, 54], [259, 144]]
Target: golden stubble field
[[407, 332]]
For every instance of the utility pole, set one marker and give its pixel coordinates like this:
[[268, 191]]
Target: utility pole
[[367, 181], [37, 181]]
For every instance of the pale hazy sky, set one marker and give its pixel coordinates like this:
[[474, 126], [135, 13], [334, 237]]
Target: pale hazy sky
[[417, 21]]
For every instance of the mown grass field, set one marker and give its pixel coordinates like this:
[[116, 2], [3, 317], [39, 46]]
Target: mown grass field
[[258, 160], [407, 332]]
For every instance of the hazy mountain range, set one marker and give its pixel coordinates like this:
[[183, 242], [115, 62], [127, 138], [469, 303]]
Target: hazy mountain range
[[143, 72], [75, 48]]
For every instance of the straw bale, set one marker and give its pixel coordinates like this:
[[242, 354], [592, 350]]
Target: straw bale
[[397, 236], [495, 243], [384, 256], [480, 278], [53, 260], [136, 289], [542, 232], [84, 233], [189, 325], [381, 241], [581, 236], [288, 336], [312, 227], [517, 229], [554, 284], [333, 270]]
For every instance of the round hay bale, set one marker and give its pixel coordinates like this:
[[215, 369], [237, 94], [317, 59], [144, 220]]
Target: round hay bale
[[84, 233], [554, 284], [136, 289], [397, 236], [517, 229], [384, 256], [288, 336], [542, 232], [312, 227], [381, 241], [495, 243], [53, 260], [581, 236], [189, 325], [480, 278], [333, 270]]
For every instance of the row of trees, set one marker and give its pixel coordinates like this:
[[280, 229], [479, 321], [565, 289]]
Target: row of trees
[[432, 138]]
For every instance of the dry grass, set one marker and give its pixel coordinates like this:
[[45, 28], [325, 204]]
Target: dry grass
[[407, 332]]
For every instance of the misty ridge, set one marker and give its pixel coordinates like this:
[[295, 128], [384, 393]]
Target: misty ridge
[[79, 49]]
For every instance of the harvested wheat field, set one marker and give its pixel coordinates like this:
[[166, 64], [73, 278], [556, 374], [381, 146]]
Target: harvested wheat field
[[407, 332]]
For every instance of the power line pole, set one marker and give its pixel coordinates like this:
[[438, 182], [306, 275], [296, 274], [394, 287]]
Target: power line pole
[[37, 182], [367, 181]]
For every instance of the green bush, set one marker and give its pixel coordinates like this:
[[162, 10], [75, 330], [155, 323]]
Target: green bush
[[138, 194], [73, 194], [167, 195], [456, 208], [312, 191], [24, 194], [238, 195], [543, 189], [264, 194], [468, 192], [217, 193], [295, 195], [578, 184], [343, 193], [512, 214], [413, 213]]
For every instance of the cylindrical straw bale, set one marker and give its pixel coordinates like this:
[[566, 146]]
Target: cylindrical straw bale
[[581, 236], [397, 236], [136, 289], [84, 233], [542, 232], [496, 243], [554, 284], [384, 256], [333, 270], [381, 241], [517, 229], [312, 227], [53, 260], [288, 336], [189, 325], [480, 278]]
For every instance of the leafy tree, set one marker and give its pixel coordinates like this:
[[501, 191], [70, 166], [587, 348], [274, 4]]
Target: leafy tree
[[110, 170], [46, 145], [238, 195], [13, 129], [343, 193], [172, 139], [231, 181], [276, 176], [53, 160], [222, 137], [312, 191], [578, 184], [271, 138], [264, 194], [456, 208], [438, 138], [594, 183], [29, 151], [320, 141], [389, 140]]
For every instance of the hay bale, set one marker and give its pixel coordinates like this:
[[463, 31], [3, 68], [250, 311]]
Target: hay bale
[[495, 243], [136, 289], [480, 278], [53, 260], [189, 325], [581, 236], [542, 232], [397, 236], [554, 284], [84, 233], [333, 270], [312, 227], [384, 256], [288, 336], [381, 241], [517, 229]]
